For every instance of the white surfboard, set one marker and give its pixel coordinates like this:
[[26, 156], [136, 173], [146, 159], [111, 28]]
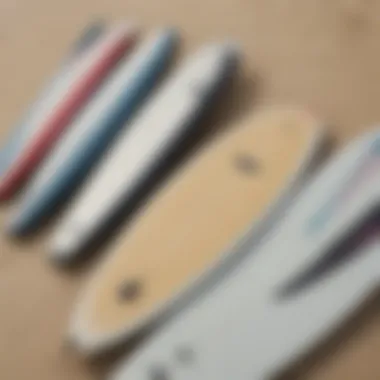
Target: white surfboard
[[244, 329], [165, 122]]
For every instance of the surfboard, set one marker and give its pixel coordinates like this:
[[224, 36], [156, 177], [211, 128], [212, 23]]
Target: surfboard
[[164, 123], [22, 131], [95, 129], [229, 188], [249, 312], [84, 78]]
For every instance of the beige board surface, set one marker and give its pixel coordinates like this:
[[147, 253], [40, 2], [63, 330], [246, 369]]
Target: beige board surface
[[322, 54], [188, 226]]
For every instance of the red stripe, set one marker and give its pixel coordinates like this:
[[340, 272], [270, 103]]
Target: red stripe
[[68, 107]]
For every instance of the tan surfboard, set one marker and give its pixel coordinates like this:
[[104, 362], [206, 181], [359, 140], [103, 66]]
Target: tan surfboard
[[227, 190]]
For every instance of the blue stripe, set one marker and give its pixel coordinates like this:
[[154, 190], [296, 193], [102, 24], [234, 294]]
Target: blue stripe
[[93, 145]]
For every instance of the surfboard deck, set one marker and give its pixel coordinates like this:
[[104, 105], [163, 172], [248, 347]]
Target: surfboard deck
[[187, 227], [94, 131], [256, 316], [162, 126], [19, 135], [86, 76], [292, 330]]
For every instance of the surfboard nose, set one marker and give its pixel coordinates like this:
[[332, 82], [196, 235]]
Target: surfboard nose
[[76, 342], [18, 226], [62, 245], [82, 339]]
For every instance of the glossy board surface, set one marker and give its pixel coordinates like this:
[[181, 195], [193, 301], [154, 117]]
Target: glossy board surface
[[188, 228], [167, 121], [95, 130], [255, 316], [25, 128], [84, 78]]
